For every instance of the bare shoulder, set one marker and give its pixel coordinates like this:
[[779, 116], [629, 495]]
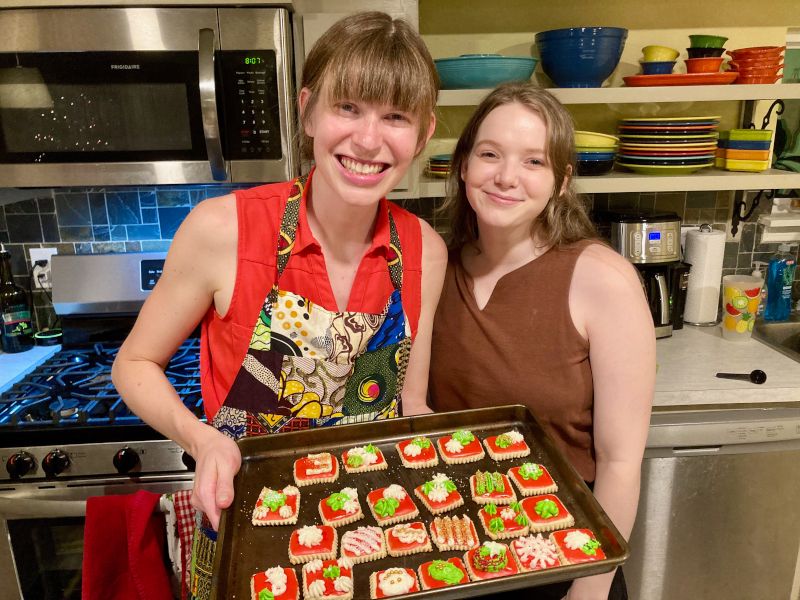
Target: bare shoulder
[[213, 219], [434, 250], [600, 267]]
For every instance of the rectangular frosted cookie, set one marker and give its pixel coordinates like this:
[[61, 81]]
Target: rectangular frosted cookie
[[328, 580], [494, 487], [316, 468], [489, 560], [363, 544], [391, 504], [394, 581], [507, 445], [439, 494], [534, 553], [363, 458], [577, 546], [502, 522], [280, 582], [277, 507], [532, 479], [407, 538], [341, 508], [460, 447], [312, 542], [417, 453], [454, 533], [546, 513], [437, 574]]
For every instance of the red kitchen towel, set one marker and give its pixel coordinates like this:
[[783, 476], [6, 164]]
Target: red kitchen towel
[[123, 549]]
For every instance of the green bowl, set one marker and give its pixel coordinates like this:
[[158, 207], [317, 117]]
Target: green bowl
[[707, 41]]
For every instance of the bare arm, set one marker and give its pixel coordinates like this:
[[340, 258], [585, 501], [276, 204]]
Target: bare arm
[[199, 262], [608, 305], [434, 265]]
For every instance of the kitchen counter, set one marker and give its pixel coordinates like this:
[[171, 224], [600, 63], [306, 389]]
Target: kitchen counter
[[689, 360], [15, 366]]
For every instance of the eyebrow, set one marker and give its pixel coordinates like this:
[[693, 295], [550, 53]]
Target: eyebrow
[[493, 143]]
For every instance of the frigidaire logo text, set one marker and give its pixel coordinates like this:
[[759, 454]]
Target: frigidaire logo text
[[125, 67]]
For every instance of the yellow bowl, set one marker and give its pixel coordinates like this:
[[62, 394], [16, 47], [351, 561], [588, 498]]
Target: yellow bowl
[[592, 139], [659, 53]]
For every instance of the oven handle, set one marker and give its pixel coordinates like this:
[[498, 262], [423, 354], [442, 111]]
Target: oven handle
[[31, 508], [208, 104]]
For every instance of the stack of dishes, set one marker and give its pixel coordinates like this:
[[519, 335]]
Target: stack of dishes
[[759, 64], [594, 152], [439, 165], [744, 149], [667, 145]]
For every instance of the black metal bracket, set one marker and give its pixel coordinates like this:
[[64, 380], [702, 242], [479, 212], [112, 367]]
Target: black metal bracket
[[778, 106], [740, 210]]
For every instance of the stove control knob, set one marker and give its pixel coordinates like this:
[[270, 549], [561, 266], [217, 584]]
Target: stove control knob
[[20, 464], [55, 463], [188, 460], [126, 460]]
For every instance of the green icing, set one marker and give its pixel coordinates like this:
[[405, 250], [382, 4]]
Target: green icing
[[531, 471], [463, 437], [265, 595], [515, 506], [590, 547], [448, 485], [332, 572], [546, 509], [371, 449], [274, 500], [503, 440], [354, 460], [491, 509], [423, 443], [336, 501], [496, 525], [442, 570], [497, 482], [385, 507], [521, 520]]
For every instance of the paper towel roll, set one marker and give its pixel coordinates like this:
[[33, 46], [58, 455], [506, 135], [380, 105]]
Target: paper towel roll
[[705, 251]]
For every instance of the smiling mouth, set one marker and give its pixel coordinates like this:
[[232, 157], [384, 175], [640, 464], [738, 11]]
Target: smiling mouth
[[362, 168]]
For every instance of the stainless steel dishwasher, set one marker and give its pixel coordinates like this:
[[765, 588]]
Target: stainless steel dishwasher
[[719, 511]]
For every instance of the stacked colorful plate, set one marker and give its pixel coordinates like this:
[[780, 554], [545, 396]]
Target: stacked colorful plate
[[439, 165], [667, 145]]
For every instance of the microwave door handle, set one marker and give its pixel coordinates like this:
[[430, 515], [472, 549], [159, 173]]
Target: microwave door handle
[[208, 105], [663, 298]]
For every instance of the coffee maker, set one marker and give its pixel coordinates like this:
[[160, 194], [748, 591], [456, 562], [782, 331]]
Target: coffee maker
[[651, 240]]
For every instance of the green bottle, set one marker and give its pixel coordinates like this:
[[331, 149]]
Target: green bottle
[[16, 332]]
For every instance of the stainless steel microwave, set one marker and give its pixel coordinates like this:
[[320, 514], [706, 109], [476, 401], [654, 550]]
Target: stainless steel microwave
[[137, 96]]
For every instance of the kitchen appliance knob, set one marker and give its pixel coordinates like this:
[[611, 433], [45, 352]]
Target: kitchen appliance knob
[[126, 460], [187, 460], [20, 464], [55, 462]]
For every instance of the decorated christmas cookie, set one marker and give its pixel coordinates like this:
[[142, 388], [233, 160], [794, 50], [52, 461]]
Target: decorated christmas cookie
[[363, 458], [277, 507], [276, 583], [534, 553], [341, 508], [442, 573], [328, 580], [491, 487], [316, 468], [363, 544], [546, 513], [439, 494], [417, 453], [532, 478], [311, 542], [577, 546], [490, 560], [391, 504], [501, 522], [460, 447], [407, 538], [394, 581], [454, 533], [507, 445]]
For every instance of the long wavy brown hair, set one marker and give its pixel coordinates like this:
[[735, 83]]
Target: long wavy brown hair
[[564, 219]]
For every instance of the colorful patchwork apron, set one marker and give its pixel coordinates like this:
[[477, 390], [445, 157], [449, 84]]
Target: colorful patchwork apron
[[310, 367]]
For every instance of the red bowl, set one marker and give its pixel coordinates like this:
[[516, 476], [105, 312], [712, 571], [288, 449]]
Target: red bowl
[[757, 52], [757, 63], [755, 80], [755, 71], [708, 64]]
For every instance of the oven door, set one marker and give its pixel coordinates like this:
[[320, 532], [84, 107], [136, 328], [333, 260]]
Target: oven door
[[41, 533]]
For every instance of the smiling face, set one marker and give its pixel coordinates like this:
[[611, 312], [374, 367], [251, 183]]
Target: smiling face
[[507, 176]]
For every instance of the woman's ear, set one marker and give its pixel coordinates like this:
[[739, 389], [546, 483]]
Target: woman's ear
[[428, 134], [567, 179], [303, 99]]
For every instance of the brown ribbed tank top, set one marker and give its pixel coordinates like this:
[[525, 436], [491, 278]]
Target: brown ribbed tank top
[[522, 348]]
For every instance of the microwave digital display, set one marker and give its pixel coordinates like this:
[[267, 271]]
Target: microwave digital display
[[654, 236]]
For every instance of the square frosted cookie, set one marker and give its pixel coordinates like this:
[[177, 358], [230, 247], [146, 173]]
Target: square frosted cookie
[[316, 468], [490, 560], [407, 538], [363, 544], [460, 447], [494, 487], [363, 458], [439, 494], [454, 533], [546, 513], [534, 553], [394, 581], [328, 580], [507, 445], [532, 479], [277, 507], [577, 546], [311, 542], [437, 574], [391, 504], [417, 453], [341, 508], [280, 582], [502, 522]]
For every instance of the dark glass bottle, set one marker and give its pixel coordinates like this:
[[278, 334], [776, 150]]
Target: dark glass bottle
[[16, 331]]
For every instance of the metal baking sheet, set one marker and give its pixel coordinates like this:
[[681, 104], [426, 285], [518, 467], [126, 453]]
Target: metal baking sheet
[[244, 549]]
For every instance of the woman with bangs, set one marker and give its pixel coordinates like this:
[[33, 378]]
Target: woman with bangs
[[316, 296], [535, 310]]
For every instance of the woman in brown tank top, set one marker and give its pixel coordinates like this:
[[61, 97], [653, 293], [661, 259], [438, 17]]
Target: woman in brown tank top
[[536, 311]]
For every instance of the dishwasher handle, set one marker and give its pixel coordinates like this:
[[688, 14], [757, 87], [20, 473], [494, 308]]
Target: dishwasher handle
[[696, 450]]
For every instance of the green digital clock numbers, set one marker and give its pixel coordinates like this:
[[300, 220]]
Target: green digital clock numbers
[[252, 60]]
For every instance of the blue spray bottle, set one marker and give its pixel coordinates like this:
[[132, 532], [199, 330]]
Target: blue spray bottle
[[780, 276]]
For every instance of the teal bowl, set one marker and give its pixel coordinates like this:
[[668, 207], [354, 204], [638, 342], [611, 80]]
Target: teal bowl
[[479, 71]]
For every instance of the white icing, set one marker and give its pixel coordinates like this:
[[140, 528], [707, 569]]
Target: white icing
[[412, 450], [364, 540], [453, 446], [351, 493], [540, 551], [438, 493], [343, 584], [576, 539], [408, 534], [395, 581], [309, 535], [285, 511], [316, 588], [394, 491], [368, 457], [313, 566], [440, 478], [508, 513], [344, 562], [320, 463], [351, 506], [494, 548], [290, 490], [515, 436], [259, 512], [277, 580]]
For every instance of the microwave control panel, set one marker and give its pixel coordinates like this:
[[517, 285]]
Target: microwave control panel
[[250, 100]]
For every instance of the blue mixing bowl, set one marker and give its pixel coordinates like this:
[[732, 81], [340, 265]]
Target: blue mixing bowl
[[478, 71], [580, 56]]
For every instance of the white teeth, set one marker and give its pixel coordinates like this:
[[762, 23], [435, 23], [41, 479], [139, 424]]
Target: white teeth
[[360, 168]]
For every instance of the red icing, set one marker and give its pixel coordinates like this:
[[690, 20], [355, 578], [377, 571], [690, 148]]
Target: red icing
[[334, 515], [274, 515], [491, 441], [577, 555], [301, 466], [545, 479], [380, 594], [510, 524], [260, 582], [430, 582], [329, 589], [474, 448], [426, 454], [510, 568], [326, 545], [405, 507], [453, 498], [506, 494], [395, 545], [529, 506], [380, 460]]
